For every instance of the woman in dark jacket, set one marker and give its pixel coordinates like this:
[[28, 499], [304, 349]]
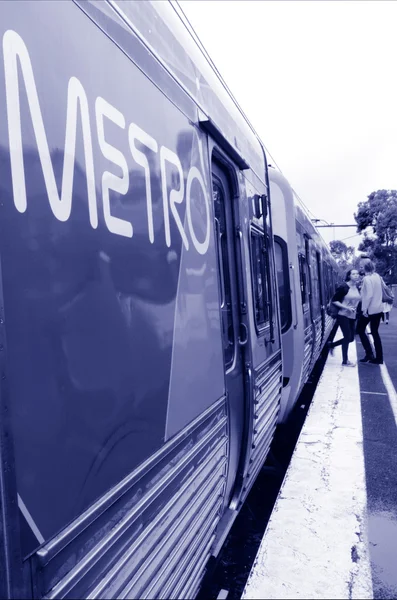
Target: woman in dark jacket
[[347, 298]]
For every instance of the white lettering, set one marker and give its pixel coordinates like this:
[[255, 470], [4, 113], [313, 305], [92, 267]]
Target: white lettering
[[109, 180], [201, 247], [16, 59], [136, 133], [14, 48], [176, 196]]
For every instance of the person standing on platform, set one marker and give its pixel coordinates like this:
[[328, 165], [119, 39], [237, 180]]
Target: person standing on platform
[[372, 310], [346, 298]]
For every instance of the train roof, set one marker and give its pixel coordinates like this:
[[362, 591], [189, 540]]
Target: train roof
[[309, 228], [302, 214], [166, 32]]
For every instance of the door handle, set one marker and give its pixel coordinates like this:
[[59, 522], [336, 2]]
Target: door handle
[[242, 342]]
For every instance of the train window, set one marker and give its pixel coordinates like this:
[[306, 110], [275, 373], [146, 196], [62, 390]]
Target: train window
[[260, 283], [281, 258], [302, 275], [224, 270]]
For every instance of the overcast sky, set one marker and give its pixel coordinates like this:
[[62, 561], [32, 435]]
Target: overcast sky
[[317, 80]]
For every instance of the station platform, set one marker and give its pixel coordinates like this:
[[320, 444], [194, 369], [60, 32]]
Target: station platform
[[333, 529]]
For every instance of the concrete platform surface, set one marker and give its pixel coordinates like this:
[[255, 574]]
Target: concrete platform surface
[[333, 530]]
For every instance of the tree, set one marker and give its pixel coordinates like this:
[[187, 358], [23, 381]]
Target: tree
[[379, 212], [344, 255]]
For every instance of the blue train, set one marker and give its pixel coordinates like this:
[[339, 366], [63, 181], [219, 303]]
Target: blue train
[[162, 302]]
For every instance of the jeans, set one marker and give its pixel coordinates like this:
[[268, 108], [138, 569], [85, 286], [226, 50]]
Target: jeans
[[374, 320], [348, 328]]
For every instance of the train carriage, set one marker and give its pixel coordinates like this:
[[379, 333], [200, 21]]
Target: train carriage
[[306, 274], [141, 332], [141, 354]]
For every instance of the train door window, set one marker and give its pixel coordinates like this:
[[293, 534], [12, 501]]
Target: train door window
[[329, 283], [320, 279], [326, 282], [303, 280], [281, 259], [224, 270], [333, 285], [260, 283], [315, 283]]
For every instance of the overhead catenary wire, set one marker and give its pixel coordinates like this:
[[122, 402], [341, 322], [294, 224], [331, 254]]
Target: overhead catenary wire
[[207, 55], [181, 13], [349, 238]]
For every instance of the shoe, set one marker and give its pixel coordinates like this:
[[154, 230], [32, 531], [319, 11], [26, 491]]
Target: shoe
[[330, 348], [366, 359], [375, 361], [348, 364]]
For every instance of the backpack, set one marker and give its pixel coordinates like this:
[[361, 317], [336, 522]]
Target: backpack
[[387, 294], [332, 310]]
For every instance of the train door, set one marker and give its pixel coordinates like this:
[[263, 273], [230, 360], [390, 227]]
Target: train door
[[305, 299], [315, 301], [234, 331], [264, 364], [320, 272], [327, 287]]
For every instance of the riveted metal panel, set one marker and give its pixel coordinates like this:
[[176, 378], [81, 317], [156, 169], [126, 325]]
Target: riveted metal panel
[[317, 341], [268, 385], [307, 354], [329, 323]]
